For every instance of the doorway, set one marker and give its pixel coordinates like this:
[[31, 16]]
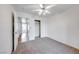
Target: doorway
[[37, 29], [23, 27]]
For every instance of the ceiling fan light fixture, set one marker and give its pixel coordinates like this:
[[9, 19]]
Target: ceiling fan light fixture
[[44, 13], [40, 12], [44, 9]]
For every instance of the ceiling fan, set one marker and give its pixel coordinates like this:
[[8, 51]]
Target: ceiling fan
[[44, 9]]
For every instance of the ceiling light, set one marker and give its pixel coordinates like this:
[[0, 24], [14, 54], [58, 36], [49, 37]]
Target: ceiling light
[[40, 11], [44, 9]]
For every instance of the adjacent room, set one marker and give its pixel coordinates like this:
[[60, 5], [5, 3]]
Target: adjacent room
[[39, 29]]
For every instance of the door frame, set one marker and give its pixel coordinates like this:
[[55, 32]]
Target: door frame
[[13, 32], [39, 27]]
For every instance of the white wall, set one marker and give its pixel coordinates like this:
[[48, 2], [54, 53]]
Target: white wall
[[65, 27], [5, 29], [44, 27]]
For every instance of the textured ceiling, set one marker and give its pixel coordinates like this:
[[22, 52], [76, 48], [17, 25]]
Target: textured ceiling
[[27, 8]]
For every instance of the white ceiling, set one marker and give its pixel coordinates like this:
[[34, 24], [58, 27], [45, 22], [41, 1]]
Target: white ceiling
[[27, 8]]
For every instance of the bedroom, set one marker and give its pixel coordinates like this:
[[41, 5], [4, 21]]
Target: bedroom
[[57, 31]]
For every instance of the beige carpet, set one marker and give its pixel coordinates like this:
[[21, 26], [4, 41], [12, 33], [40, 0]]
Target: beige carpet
[[44, 46]]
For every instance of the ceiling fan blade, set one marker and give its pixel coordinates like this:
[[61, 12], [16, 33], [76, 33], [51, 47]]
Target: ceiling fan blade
[[48, 7], [36, 10], [41, 5]]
